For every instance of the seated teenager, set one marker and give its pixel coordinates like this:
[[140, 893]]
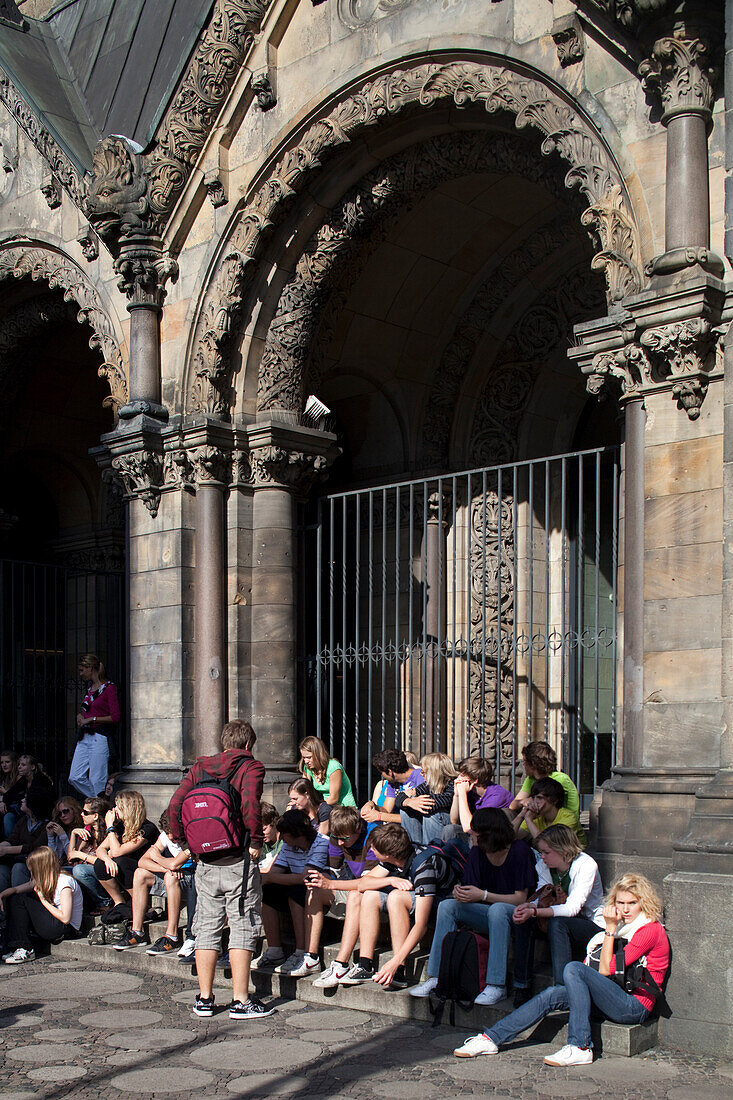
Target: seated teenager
[[28, 834], [633, 913], [82, 853], [402, 778], [349, 857], [48, 906], [283, 889], [65, 818], [408, 882], [500, 874], [327, 774], [574, 876], [425, 821], [272, 842], [546, 807], [474, 789], [539, 760], [379, 807], [303, 795], [128, 836], [31, 778], [168, 862]]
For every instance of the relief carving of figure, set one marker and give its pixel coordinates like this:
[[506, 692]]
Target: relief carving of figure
[[117, 204]]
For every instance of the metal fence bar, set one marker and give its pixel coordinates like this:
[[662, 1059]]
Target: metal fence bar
[[357, 632]]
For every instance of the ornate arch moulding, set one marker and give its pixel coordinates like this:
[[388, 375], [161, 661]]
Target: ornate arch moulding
[[59, 272], [491, 84]]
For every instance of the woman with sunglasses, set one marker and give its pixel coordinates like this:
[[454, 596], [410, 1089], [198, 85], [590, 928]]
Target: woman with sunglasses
[[82, 852], [65, 818]]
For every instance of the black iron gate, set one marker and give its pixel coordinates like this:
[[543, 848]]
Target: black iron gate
[[49, 615], [467, 613]]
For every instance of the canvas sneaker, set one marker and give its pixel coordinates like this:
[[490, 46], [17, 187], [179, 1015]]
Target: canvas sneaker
[[251, 1009], [332, 976], [20, 955], [134, 939], [476, 1045], [308, 966], [164, 946], [491, 995], [187, 951], [291, 963], [425, 989], [204, 1006], [269, 959], [357, 975], [570, 1056]]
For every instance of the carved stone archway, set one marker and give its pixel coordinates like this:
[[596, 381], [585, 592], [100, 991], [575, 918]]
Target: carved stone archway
[[497, 88], [43, 264]]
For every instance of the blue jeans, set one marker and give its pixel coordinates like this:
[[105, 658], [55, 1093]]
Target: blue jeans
[[583, 987], [10, 820], [493, 920], [85, 875], [563, 932], [13, 873], [423, 828]]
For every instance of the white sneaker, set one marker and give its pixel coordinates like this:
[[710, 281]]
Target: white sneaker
[[291, 963], [570, 1056], [188, 949], [269, 959], [475, 1045], [424, 990], [20, 955], [332, 976], [491, 995], [308, 966]]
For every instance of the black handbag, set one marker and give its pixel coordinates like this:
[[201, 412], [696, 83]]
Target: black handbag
[[634, 978]]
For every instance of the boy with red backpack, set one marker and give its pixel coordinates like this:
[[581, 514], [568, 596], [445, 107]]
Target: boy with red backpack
[[216, 813]]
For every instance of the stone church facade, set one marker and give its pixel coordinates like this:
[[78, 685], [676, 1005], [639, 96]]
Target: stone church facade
[[370, 357]]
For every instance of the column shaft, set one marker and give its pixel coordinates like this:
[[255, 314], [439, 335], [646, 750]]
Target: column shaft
[[687, 199], [145, 352], [633, 690], [435, 611], [210, 633]]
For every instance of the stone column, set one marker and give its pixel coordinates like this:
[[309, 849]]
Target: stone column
[[434, 702], [633, 653]]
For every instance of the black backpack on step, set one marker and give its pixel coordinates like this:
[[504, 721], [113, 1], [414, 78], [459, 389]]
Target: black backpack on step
[[464, 956]]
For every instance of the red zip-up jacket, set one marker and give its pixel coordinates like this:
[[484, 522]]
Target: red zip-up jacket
[[244, 773]]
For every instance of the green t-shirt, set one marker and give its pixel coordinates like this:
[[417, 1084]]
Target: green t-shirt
[[572, 800], [346, 797], [564, 817]]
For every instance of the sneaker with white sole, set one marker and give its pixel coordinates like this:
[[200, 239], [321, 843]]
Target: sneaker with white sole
[[570, 1056], [20, 955], [357, 975], [291, 963], [332, 976], [269, 959], [204, 1006], [476, 1045], [425, 989], [188, 950], [308, 966], [491, 995], [251, 1009]]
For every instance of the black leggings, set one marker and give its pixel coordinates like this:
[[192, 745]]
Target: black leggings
[[26, 914], [126, 867]]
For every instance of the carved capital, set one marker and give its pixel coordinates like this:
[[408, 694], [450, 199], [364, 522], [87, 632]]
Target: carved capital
[[211, 465], [277, 467], [51, 191], [624, 370], [567, 34], [141, 475], [143, 270], [210, 389], [680, 353], [683, 73], [264, 92], [242, 473]]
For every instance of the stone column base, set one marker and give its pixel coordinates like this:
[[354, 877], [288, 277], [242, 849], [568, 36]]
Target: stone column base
[[699, 917], [155, 782]]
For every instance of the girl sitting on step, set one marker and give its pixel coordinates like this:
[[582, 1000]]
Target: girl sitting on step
[[49, 906]]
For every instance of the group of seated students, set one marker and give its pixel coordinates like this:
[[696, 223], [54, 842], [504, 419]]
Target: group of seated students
[[437, 847]]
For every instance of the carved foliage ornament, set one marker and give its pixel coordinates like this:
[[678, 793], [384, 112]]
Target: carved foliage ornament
[[683, 72], [276, 467], [59, 272], [210, 391]]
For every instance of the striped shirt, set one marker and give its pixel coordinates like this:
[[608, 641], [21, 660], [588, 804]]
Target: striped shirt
[[295, 860]]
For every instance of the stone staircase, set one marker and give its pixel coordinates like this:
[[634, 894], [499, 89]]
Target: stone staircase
[[617, 1039]]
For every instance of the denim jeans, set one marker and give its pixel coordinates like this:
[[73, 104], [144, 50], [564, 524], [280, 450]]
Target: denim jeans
[[423, 828], [10, 820], [493, 920], [563, 932], [87, 879], [583, 987], [13, 873]]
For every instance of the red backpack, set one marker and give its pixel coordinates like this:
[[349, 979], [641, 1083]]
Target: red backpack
[[211, 815]]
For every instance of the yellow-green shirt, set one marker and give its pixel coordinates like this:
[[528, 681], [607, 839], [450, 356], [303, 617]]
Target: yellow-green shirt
[[564, 817]]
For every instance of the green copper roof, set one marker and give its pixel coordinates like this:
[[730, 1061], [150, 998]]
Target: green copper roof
[[98, 67]]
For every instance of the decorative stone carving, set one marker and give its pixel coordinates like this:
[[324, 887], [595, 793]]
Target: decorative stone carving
[[215, 188], [210, 390], [189, 119], [681, 352], [8, 166], [241, 469], [141, 474], [211, 465], [51, 191], [683, 72], [89, 243], [143, 272], [117, 203], [277, 467], [359, 13], [264, 92], [567, 34], [59, 272], [178, 471]]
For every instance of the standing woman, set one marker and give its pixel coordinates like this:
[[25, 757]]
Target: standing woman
[[49, 905], [8, 779], [98, 718], [65, 818], [325, 773]]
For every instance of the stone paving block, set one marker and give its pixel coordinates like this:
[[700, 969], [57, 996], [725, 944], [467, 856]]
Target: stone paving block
[[268, 1084], [125, 1017], [328, 1038], [62, 1034], [44, 1052], [162, 1079], [406, 1089], [235, 1054], [85, 984], [160, 1038], [329, 1018], [57, 1074], [19, 1095], [24, 1021]]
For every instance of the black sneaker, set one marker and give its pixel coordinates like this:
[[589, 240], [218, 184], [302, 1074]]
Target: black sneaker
[[396, 984], [135, 939], [251, 1009], [357, 975], [203, 1006], [164, 946]]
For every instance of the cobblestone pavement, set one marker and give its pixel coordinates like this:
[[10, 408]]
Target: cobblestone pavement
[[69, 1031]]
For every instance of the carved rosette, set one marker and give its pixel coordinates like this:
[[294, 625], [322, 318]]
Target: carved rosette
[[141, 475], [681, 352], [279, 468], [683, 73], [210, 389]]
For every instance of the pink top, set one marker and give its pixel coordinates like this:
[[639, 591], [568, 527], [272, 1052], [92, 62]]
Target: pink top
[[102, 703]]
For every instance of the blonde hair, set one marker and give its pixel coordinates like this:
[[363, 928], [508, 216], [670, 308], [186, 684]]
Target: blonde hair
[[76, 821], [13, 773], [131, 805], [562, 840], [411, 758], [320, 754], [94, 663], [44, 868], [642, 890], [438, 770]]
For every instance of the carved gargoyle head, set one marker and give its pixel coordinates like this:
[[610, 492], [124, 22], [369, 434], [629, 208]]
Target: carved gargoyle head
[[117, 204]]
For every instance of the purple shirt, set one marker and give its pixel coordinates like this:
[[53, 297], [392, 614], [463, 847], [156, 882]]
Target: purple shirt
[[415, 778], [494, 796], [517, 872]]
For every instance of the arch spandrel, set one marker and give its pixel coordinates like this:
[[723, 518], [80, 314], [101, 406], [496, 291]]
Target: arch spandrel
[[46, 265], [529, 99]]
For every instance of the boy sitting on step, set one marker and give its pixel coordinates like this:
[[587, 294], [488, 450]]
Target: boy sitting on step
[[407, 882]]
